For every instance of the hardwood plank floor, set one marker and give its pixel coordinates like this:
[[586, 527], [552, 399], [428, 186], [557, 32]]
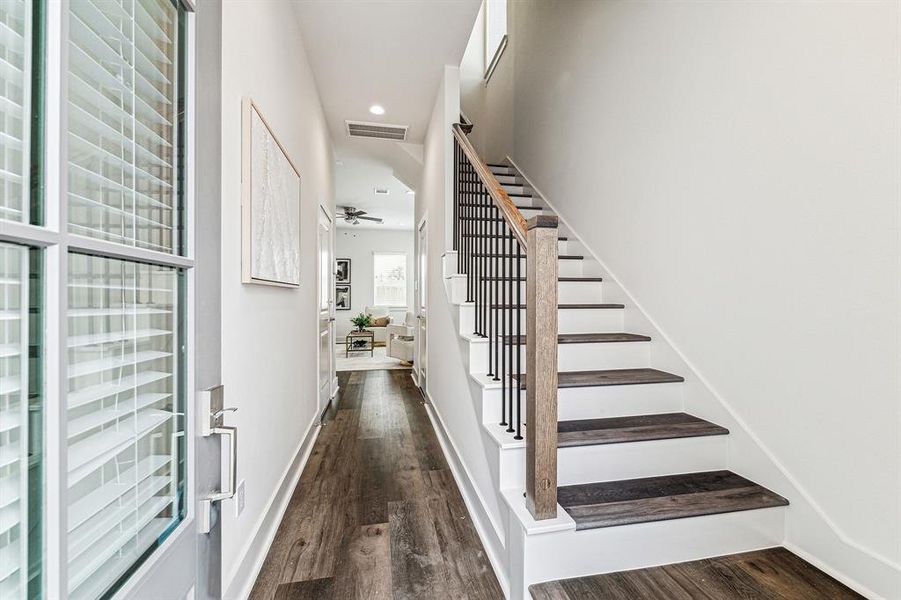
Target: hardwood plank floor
[[376, 513], [773, 574]]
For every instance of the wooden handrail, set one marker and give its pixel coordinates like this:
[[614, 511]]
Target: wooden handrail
[[499, 196]]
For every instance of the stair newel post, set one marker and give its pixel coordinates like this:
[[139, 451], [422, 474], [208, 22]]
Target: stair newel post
[[457, 199], [541, 367]]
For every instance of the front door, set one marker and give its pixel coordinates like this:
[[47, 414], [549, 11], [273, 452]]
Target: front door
[[326, 330], [421, 361]]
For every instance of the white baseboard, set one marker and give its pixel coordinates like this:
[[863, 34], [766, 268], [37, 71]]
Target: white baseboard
[[240, 583], [489, 534]]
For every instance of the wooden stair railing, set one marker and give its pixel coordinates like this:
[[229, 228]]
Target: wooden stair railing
[[493, 241]]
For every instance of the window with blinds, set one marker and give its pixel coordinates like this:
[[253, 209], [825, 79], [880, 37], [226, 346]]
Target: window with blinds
[[20, 426], [122, 122], [15, 112], [124, 343], [123, 426]]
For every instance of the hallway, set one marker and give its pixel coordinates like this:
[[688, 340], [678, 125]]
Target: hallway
[[376, 513]]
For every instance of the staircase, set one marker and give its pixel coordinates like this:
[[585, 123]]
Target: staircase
[[639, 481]]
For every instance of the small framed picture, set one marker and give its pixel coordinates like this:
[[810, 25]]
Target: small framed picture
[[342, 271], [342, 297]]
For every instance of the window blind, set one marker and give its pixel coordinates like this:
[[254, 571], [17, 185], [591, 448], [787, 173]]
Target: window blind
[[122, 121], [13, 420], [390, 279], [15, 114], [125, 477], [122, 407]]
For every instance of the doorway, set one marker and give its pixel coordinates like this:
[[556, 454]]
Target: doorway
[[422, 289], [328, 383]]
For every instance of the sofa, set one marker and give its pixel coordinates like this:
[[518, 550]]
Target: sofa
[[400, 339], [379, 312]]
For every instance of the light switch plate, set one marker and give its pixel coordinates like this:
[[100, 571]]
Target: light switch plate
[[240, 499]]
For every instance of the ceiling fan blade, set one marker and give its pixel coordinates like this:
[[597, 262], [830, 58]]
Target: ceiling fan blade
[[376, 219], [358, 213]]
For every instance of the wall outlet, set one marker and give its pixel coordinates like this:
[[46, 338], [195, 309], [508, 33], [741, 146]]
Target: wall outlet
[[240, 499]]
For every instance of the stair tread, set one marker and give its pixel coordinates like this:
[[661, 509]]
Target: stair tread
[[468, 204], [589, 338], [613, 503], [570, 279], [565, 306], [637, 428], [559, 257], [477, 235], [572, 379]]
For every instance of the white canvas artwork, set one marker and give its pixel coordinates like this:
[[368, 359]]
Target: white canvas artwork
[[271, 206]]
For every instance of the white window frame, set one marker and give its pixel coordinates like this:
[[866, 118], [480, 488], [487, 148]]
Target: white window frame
[[56, 242], [375, 301], [493, 55]]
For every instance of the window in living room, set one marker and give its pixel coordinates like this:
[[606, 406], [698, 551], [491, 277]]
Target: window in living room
[[389, 278]]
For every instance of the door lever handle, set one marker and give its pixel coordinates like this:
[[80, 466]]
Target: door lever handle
[[222, 411]]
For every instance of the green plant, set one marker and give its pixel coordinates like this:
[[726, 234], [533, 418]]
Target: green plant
[[362, 321]]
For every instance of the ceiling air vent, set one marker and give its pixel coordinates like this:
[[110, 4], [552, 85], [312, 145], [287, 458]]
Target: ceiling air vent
[[397, 133], [381, 191]]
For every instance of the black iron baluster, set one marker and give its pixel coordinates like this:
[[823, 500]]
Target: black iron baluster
[[492, 297], [456, 198], [502, 373], [510, 374], [486, 231], [498, 227], [518, 338]]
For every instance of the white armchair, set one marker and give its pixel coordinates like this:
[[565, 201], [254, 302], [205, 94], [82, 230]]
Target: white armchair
[[379, 312], [400, 338]]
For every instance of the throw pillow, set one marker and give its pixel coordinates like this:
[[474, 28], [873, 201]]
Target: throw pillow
[[380, 322]]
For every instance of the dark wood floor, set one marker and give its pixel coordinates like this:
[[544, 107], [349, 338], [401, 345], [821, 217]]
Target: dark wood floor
[[376, 513], [774, 574]]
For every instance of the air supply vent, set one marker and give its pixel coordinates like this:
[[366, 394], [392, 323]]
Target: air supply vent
[[397, 133]]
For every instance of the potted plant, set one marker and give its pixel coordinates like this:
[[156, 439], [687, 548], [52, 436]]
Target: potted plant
[[362, 321]]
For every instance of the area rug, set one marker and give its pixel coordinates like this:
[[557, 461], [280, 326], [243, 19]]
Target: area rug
[[361, 361]]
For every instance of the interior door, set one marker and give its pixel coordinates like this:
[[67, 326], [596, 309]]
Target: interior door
[[421, 361], [326, 330]]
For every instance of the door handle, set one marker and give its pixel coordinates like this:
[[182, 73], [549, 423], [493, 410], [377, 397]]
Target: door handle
[[231, 433], [212, 412]]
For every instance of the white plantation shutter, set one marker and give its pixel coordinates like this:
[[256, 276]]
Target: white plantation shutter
[[13, 420], [121, 120], [123, 435], [390, 279], [15, 114], [124, 428]]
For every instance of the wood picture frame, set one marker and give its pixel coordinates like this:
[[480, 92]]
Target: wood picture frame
[[270, 204]]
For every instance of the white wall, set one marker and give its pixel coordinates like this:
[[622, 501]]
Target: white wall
[[447, 385], [359, 246], [735, 165], [269, 340], [488, 105]]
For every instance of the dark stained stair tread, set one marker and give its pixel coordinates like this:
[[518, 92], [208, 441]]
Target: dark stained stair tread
[[565, 306], [639, 428], [559, 257], [478, 235], [770, 574], [613, 503], [517, 206], [572, 379], [569, 279], [588, 338]]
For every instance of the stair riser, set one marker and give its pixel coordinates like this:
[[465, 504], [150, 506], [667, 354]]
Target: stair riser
[[611, 462], [569, 554], [597, 402], [568, 292], [508, 179], [574, 320], [516, 189], [576, 357]]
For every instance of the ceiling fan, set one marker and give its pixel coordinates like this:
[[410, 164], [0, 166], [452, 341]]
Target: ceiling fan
[[352, 215]]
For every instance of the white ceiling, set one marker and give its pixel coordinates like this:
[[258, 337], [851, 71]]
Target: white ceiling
[[355, 181], [387, 52]]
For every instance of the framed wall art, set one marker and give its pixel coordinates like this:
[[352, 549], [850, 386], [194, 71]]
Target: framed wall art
[[270, 205]]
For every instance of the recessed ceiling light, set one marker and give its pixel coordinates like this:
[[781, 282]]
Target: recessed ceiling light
[[377, 109]]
